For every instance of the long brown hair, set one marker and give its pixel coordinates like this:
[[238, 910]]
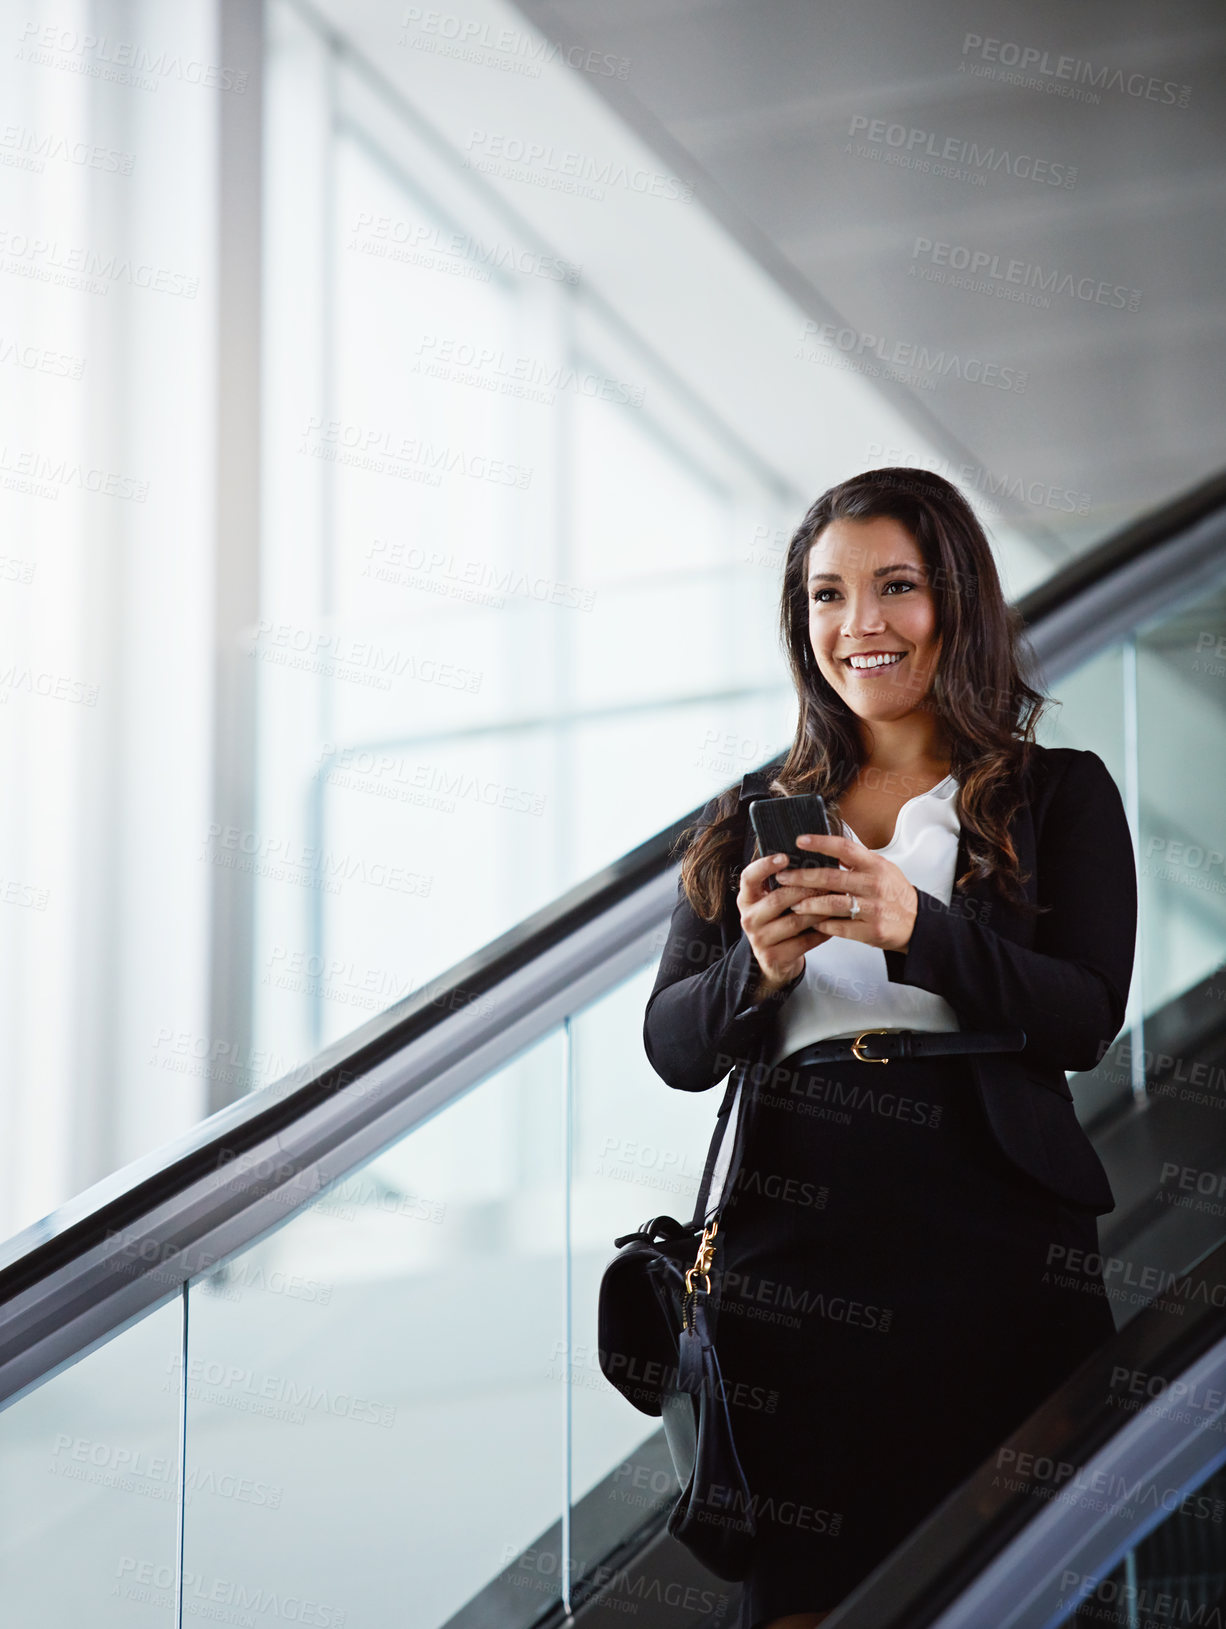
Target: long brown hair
[[988, 710]]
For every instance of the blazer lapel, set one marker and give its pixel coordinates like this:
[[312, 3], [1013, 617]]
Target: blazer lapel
[[990, 907]]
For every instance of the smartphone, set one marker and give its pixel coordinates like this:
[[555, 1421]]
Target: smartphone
[[778, 822]]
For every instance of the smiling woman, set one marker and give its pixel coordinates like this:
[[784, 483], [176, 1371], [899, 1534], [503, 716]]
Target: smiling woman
[[895, 563], [901, 1024], [873, 632]]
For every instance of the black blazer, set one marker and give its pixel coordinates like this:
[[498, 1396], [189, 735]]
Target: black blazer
[[1062, 977]]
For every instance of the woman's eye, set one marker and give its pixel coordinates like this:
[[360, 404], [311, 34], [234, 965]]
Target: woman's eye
[[823, 596]]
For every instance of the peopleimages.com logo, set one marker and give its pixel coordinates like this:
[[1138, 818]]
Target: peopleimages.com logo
[[1004, 270], [870, 352], [955, 156], [1073, 71]]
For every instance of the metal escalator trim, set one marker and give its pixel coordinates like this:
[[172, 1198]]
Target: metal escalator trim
[[173, 1199], [238, 1188], [987, 1534], [588, 913], [1069, 631], [1141, 537], [1069, 1536]]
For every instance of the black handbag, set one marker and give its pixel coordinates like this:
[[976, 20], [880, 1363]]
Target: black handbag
[[656, 1345]]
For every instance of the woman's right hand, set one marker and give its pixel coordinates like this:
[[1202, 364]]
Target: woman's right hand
[[778, 941]]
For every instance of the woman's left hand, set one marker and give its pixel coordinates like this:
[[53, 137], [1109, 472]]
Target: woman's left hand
[[886, 901]]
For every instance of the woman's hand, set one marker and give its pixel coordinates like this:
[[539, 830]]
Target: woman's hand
[[778, 941], [887, 901]]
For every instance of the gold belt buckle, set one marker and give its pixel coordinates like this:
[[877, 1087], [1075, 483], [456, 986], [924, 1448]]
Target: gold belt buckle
[[859, 1041]]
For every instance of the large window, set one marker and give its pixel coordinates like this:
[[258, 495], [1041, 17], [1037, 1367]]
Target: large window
[[513, 618]]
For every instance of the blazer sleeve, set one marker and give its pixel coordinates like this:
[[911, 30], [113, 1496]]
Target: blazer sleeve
[[1069, 992], [699, 1018]]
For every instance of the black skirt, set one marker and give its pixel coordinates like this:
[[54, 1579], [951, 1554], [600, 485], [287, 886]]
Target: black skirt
[[892, 1302]]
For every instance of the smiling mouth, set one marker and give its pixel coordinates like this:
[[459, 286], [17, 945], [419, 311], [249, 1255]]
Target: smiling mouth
[[874, 663]]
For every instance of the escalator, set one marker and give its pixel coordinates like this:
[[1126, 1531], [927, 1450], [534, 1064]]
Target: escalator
[[329, 1359]]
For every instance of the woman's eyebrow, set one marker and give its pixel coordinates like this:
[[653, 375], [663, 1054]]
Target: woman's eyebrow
[[881, 571]]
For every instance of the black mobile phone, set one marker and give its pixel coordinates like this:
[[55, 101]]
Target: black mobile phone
[[778, 822]]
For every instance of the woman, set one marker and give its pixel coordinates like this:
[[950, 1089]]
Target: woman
[[891, 1257]]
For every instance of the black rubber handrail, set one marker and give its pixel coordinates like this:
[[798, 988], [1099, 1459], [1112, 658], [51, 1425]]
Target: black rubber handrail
[[945, 1555], [1138, 538], [950, 1549], [248, 1122], [116, 1202]]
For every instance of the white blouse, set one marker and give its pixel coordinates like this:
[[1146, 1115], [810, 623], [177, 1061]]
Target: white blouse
[[846, 988]]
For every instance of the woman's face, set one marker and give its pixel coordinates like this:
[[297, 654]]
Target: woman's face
[[872, 616]]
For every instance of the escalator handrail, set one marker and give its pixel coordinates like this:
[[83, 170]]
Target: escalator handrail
[[49, 1243], [1146, 1363], [135, 1243], [633, 890], [1139, 538], [1131, 580]]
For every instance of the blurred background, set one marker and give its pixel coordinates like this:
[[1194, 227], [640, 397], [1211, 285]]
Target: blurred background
[[404, 413]]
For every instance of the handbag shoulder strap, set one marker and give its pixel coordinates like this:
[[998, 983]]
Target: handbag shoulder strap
[[727, 1141], [727, 1147]]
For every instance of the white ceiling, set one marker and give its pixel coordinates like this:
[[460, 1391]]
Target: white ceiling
[[763, 103]]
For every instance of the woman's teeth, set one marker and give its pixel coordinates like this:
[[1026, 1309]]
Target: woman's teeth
[[876, 661]]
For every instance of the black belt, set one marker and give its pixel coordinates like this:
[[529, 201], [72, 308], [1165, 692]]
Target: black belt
[[906, 1043]]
